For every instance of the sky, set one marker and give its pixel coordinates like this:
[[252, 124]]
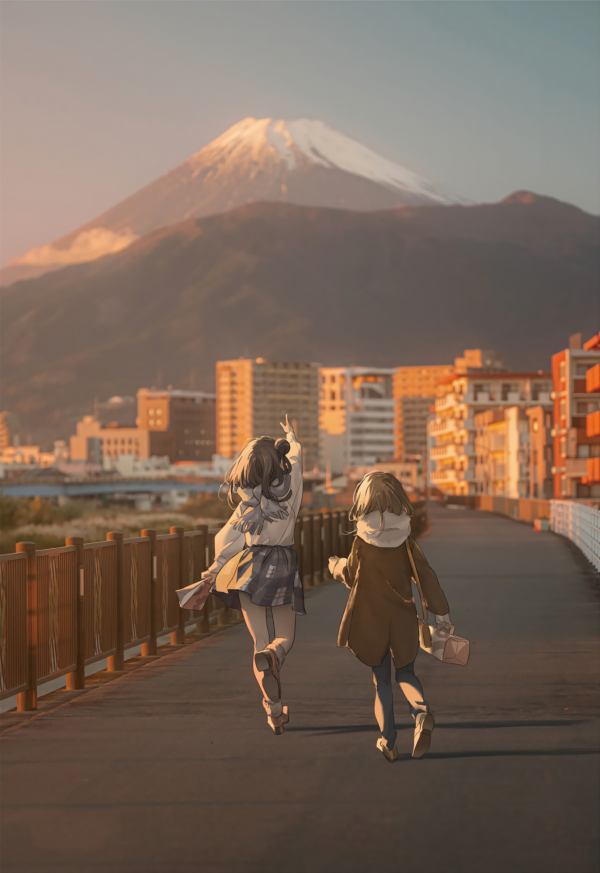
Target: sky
[[99, 98]]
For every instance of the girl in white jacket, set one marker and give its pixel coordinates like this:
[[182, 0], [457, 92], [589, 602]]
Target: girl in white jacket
[[255, 566]]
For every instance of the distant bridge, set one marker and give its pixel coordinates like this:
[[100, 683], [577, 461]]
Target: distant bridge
[[93, 487]]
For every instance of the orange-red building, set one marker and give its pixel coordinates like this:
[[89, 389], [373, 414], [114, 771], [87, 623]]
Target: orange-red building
[[576, 431]]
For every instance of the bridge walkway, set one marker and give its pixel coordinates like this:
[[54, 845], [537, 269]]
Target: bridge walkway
[[172, 769]]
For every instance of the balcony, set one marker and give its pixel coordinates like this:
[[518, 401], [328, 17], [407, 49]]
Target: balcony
[[444, 475], [444, 425], [447, 451], [446, 402]]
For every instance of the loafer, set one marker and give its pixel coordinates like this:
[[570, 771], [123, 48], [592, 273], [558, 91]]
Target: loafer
[[276, 724], [389, 755], [267, 663], [425, 724]]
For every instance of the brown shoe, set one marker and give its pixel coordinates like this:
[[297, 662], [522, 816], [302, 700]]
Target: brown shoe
[[277, 723], [390, 755], [267, 663], [425, 724]]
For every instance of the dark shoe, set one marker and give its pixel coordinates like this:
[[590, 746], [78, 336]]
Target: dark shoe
[[277, 723]]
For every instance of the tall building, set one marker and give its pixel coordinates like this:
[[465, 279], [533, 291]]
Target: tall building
[[573, 444], [185, 419], [540, 452], [254, 396], [502, 452], [177, 424], [592, 425], [356, 419], [459, 399], [414, 394]]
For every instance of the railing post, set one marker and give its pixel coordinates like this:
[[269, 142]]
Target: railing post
[[149, 648], [116, 662], [27, 700], [318, 534], [76, 679], [203, 625], [178, 636], [327, 547], [307, 548]]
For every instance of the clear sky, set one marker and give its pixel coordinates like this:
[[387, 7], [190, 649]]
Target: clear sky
[[101, 97]]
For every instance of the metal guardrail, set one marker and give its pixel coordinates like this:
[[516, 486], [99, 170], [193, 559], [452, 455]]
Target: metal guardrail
[[581, 524], [66, 608]]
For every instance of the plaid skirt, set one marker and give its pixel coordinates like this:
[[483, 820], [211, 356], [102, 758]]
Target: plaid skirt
[[269, 574]]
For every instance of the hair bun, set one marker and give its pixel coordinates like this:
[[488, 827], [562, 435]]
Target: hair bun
[[282, 446]]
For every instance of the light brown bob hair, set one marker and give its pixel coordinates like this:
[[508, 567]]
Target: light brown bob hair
[[380, 491], [262, 462]]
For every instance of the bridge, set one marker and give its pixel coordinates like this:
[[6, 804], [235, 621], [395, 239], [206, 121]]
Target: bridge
[[107, 485], [171, 768]]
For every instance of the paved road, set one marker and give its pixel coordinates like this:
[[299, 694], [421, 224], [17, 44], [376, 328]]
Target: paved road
[[172, 768]]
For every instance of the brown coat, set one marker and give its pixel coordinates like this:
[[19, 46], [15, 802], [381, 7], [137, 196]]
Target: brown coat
[[380, 614]]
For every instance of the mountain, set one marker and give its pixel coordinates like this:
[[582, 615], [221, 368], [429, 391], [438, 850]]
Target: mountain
[[302, 162], [413, 285]]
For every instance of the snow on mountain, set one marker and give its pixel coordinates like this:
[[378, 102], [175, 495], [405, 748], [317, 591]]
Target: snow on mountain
[[302, 162]]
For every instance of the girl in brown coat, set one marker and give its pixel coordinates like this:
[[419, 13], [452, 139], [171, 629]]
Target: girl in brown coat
[[380, 620]]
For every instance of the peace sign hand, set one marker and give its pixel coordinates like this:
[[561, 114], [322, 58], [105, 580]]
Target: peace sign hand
[[287, 427]]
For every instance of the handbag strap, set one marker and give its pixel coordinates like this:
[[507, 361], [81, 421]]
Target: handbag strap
[[417, 580]]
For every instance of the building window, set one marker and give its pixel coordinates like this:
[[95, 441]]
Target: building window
[[563, 447], [563, 408], [583, 451]]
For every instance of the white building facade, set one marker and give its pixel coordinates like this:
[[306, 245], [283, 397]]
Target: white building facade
[[453, 457], [356, 416]]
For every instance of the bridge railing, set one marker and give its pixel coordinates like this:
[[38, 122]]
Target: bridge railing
[[581, 524], [64, 609]]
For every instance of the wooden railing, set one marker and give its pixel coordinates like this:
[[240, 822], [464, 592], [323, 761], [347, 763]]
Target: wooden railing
[[66, 608]]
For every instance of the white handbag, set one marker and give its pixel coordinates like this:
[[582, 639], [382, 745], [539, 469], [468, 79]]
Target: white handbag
[[441, 642]]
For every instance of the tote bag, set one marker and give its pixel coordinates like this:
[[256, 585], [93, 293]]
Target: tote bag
[[441, 642]]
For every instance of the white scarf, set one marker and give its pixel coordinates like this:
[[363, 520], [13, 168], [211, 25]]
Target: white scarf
[[395, 529]]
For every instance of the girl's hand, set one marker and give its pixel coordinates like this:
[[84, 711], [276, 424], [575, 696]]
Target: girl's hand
[[287, 427]]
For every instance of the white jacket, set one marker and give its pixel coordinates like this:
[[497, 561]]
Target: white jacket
[[277, 532]]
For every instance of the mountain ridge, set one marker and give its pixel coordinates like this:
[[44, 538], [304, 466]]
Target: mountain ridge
[[412, 285]]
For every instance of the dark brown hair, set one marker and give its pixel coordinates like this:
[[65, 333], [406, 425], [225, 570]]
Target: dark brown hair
[[262, 462], [380, 491]]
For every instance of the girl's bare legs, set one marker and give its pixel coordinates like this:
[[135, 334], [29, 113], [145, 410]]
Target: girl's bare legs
[[284, 619]]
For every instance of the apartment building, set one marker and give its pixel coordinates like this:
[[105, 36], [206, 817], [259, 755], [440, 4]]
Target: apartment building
[[453, 459], [183, 423], [592, 479], [540, 452], [576, 439], [414, 394], [253, 397], [356, 419], [177, 424], [502, 452]]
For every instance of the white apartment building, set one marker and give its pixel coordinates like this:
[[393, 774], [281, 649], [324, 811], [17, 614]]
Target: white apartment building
[[452, 461], [502, 452], [356, 416]]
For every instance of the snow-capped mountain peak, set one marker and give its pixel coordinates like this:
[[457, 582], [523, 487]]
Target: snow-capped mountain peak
[[301, 162]]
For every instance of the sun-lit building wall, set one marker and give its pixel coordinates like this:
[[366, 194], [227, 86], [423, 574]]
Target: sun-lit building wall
[[356, 421]]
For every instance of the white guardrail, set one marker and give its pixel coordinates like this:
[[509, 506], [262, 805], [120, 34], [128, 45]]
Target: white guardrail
[[579, 523]]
